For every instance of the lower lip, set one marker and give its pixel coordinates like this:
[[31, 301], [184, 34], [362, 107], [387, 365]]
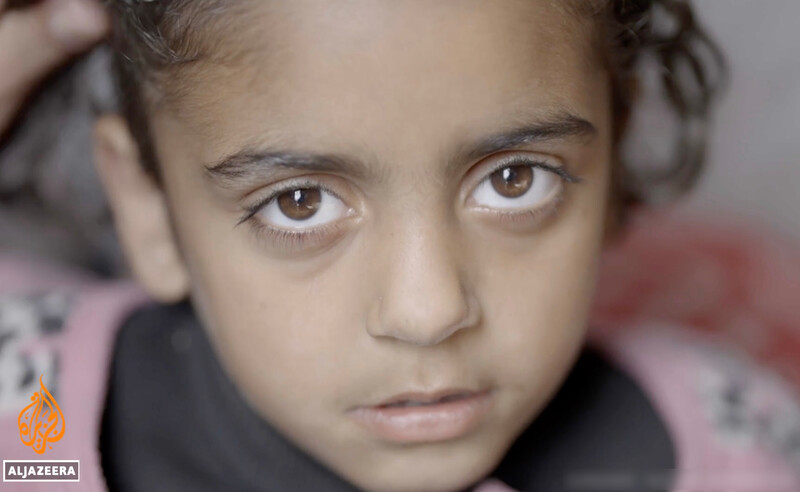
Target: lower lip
[[427, 423]]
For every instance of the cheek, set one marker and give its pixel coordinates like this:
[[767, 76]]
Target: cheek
[[281, 335], [537, 300], [278, 334]]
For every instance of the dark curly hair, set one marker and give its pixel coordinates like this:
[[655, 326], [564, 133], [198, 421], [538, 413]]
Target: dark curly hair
[[151, 38]]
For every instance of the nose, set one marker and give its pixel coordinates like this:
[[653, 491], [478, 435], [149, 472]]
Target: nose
[[424, 299]]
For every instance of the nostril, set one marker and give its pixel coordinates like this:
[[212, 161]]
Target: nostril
[[423, 301], [427, 328]]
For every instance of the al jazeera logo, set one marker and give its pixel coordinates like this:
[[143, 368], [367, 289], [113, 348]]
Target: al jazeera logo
[[41, 426]]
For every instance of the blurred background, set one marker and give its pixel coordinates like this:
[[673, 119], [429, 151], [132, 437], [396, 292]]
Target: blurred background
[[752, 178], [754, 171]]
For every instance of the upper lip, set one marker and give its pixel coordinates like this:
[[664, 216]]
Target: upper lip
[[427, 397]]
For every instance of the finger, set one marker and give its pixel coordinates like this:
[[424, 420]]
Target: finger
[[36, 39]]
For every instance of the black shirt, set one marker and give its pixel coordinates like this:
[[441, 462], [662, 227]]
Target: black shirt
[[174, 421]]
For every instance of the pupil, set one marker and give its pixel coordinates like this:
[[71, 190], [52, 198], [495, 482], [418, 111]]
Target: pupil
[[512, 181], [300, 204]]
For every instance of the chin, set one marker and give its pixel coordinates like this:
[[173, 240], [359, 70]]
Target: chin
[[442, 470], [417, 484]]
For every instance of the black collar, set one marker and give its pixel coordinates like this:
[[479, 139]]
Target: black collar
[[174, 421]]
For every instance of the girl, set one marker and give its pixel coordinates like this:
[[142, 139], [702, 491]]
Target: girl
[[372, 229]]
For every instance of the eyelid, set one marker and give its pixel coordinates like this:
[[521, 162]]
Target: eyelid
[[289, 185], [526, 159], [288, 241], [524, 217], [534, 160]]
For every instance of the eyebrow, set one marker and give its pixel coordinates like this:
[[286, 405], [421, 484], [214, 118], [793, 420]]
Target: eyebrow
[[254, 162]]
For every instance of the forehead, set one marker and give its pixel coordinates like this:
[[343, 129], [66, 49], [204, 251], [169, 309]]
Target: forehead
[[389, 75]]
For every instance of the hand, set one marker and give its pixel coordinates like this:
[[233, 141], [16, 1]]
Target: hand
[[36, 39]]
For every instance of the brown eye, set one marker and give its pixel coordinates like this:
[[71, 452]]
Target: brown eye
[[512, 181], [300, 204], [519, 187]]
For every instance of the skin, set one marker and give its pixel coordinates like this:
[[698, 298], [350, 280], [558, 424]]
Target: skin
[[418, 288]]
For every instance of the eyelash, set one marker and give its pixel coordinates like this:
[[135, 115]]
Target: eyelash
[[285, 238], [293, 239], [293, 185], [538, 213]]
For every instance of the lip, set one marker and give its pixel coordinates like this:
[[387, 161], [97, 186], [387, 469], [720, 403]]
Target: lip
[[425, 397], [429, 422]]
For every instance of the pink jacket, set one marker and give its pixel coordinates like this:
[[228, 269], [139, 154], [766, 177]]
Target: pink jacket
[[61, 323]]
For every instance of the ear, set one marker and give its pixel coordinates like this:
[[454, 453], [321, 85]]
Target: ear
[[141, 213]]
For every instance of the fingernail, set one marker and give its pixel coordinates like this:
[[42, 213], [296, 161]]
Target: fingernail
[[77, 22]]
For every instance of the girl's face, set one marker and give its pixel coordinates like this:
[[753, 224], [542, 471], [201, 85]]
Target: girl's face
[[426, 232]]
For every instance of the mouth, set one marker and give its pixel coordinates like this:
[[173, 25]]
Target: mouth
[[423, 399], [425, 417]]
